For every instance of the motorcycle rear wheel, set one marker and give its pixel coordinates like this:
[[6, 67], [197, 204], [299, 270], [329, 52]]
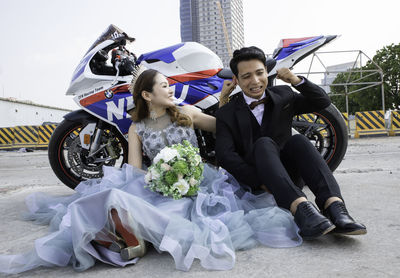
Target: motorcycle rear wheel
[[327, 131]]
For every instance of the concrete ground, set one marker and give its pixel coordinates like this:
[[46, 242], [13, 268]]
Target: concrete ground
[[370, 180]]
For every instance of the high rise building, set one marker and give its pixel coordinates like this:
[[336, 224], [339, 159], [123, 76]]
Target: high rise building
[[201, 22]]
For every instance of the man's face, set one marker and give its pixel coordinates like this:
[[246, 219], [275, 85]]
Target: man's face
[[252, 78]]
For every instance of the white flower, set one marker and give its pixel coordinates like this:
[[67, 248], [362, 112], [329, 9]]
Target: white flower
[[197, 159], [192, 181], [154, 174], [182, 186], [147, 177], [165, 167], [166, 154]]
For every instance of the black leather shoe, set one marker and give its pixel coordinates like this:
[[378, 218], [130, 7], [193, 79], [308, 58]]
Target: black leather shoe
[[311, 223], [344, 223]]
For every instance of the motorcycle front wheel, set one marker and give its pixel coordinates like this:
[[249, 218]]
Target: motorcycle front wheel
[[73, 164]]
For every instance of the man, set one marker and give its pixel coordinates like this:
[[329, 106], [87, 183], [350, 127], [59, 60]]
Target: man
[[254, 143]]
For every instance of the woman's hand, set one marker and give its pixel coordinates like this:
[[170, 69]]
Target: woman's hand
[[199, 119], [227, 89]]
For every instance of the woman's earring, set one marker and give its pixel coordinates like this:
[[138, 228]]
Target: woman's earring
[[153, 114]]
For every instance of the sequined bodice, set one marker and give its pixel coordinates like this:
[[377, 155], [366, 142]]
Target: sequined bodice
[[154, 139]]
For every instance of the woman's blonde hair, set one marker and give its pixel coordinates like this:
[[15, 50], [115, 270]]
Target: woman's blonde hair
[[145, 82]]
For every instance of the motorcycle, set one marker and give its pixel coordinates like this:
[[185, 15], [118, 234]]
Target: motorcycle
[[96, 135]]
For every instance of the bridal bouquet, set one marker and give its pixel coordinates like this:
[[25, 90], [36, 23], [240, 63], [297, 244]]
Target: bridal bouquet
[[176, 171]]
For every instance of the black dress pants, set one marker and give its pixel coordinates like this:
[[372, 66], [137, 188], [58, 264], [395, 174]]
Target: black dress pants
[[278, 168]]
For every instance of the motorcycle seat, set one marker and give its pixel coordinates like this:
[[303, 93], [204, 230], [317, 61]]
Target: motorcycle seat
[[270, 64], [225, 74]]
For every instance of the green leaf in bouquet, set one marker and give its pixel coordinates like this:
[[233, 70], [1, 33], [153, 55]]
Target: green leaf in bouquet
[[180, 167], [197, 172], [192, 191], [171, 177]]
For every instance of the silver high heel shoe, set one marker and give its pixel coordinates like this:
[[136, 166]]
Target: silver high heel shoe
[[117, 246], [131, 252], [136, 246]]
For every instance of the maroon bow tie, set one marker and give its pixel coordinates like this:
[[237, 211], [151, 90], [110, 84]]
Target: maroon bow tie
[[257, 102]]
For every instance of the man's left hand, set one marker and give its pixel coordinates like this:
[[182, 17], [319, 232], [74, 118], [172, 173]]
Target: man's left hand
[[287, 76]]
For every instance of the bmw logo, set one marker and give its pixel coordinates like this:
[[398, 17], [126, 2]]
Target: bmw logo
[[108, 94]]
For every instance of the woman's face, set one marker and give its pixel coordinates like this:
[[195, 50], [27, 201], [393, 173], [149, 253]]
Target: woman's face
[[162, 94]]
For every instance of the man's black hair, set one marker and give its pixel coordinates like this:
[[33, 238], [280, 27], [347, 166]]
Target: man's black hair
[[246, 54]]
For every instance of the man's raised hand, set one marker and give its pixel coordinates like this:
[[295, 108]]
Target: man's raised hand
[[287, 76]]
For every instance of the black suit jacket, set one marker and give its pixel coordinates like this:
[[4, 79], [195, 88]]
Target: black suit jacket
[[234, 142]]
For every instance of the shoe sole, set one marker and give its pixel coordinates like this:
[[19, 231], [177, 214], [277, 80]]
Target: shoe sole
[[330, 229], [353, 233], [324, 232]]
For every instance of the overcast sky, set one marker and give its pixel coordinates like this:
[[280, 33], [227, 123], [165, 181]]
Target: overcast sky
[[42, 41]]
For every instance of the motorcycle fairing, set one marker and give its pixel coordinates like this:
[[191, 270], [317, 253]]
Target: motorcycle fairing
[[198, 92], [181, 58], [165, 55], [193, 88], [83, 77], [110, 34], [111, 105], [292, 51], [289, 46], [191, 70]]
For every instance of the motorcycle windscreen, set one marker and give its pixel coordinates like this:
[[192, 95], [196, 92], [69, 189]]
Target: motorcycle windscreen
[[111, 33]]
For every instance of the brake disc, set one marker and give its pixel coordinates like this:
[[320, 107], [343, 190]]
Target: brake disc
[[79, 166]]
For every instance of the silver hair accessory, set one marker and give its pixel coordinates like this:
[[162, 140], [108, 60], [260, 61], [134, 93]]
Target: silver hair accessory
[[138, 70]]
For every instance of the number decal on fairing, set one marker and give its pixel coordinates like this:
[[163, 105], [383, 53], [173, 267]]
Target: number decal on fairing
[[118, 110]]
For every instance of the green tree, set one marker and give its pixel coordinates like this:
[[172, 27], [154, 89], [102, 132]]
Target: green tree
[[388, 58]]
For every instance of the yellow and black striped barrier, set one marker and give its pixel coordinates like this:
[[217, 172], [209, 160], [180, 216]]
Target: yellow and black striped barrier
[[370, 123], [44, 134], [346, 118], [6, 137], [307, 117], [26, 136], [395, 123]]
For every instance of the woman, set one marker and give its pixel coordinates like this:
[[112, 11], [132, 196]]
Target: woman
[[110, 219]]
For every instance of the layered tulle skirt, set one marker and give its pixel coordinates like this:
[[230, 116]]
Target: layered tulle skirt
[[210, 227]]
